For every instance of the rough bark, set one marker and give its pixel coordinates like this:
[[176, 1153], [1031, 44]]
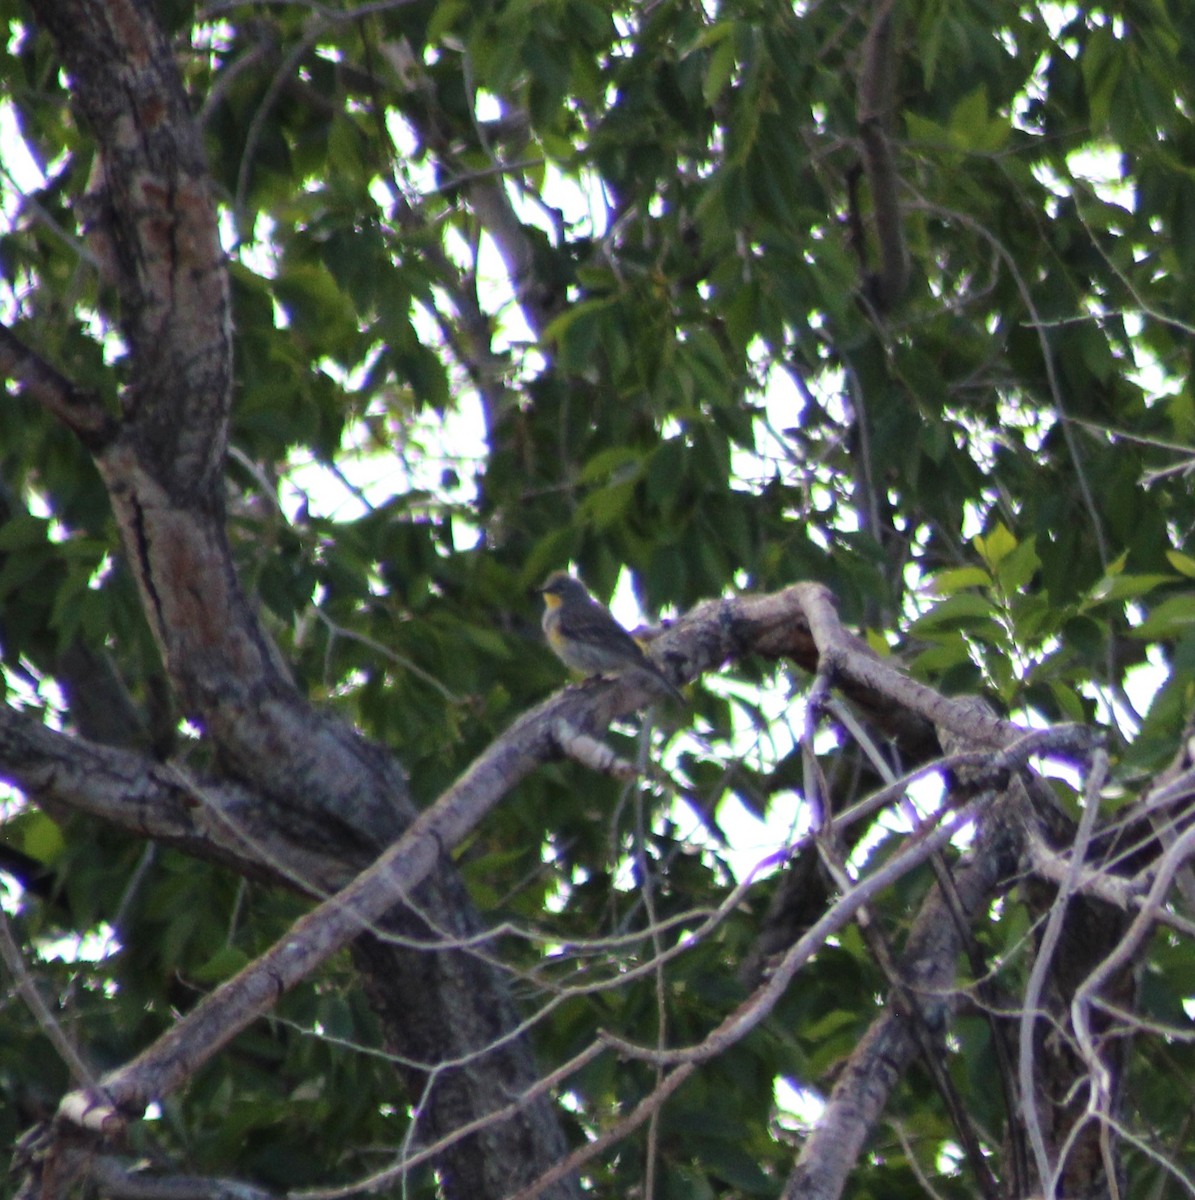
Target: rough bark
[[153, 229]]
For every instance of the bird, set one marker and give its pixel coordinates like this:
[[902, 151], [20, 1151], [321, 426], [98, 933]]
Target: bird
[[585, 636]]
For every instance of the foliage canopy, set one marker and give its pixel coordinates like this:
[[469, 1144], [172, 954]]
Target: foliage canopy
[[330, 329]]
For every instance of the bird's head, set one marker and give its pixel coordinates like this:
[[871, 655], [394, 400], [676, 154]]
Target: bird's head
[[561, 586]]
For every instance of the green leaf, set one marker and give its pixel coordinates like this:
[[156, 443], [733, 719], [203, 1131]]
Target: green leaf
[[946, 583], [1068, 701], [1018, 567], [609, 506], [23, 531], [969, 118], [941, 657], [40, 836], [315, 304], [1184, 564], [710, 35], [586, 309], [960, 609], [734, 1166], [617, 460], [225, 963], [719, 71], [1172, 618], [996, 546], [1118, 588]]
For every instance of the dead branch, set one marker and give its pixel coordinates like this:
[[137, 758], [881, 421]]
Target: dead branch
[[927, 966]]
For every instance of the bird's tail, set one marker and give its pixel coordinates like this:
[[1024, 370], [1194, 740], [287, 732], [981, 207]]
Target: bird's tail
[[667, 683]]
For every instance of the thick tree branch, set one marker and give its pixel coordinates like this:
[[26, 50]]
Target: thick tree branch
[[879, 686], [207, 1028], [217, 821], [154, 224], [80, 411], [154, 230], [358, 907]]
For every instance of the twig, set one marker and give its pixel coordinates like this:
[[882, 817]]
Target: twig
[[1041, 967], [47, 1022]]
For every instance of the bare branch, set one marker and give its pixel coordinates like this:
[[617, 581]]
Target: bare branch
[[850, 661], [1087, 995], [210, 1025], [928, 966], [81, 412], [220, 822], [10, 952], [161, 1069], [591, 753], [1041, 965], [121, 1182]]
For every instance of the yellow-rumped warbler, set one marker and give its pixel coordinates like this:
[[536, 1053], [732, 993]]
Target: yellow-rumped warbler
[[586, 637]]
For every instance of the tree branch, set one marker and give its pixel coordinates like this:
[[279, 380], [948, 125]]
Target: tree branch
[[877, 80], [707, 636], [153, 226], [928, 966], [80, 411]]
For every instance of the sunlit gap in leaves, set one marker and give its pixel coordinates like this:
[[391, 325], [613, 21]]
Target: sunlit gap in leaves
[[1101, 168], [27, 689], [921, 803], [392, 451], [445, 448], [785, 451], [574, 201], [1055, 17], [381, 436], [1148, 372], [774, 428], [1019, 422], [798, 1109], [1126, 706], [11, 892], [567, 203], [392, 448], [216, 38], [555, 902], [764, 716], [38, 836], [753, 835], [257, 251], [950, 1159], [92, 946], [995, 571], [766, 723], [20, 173], [21, 177]]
